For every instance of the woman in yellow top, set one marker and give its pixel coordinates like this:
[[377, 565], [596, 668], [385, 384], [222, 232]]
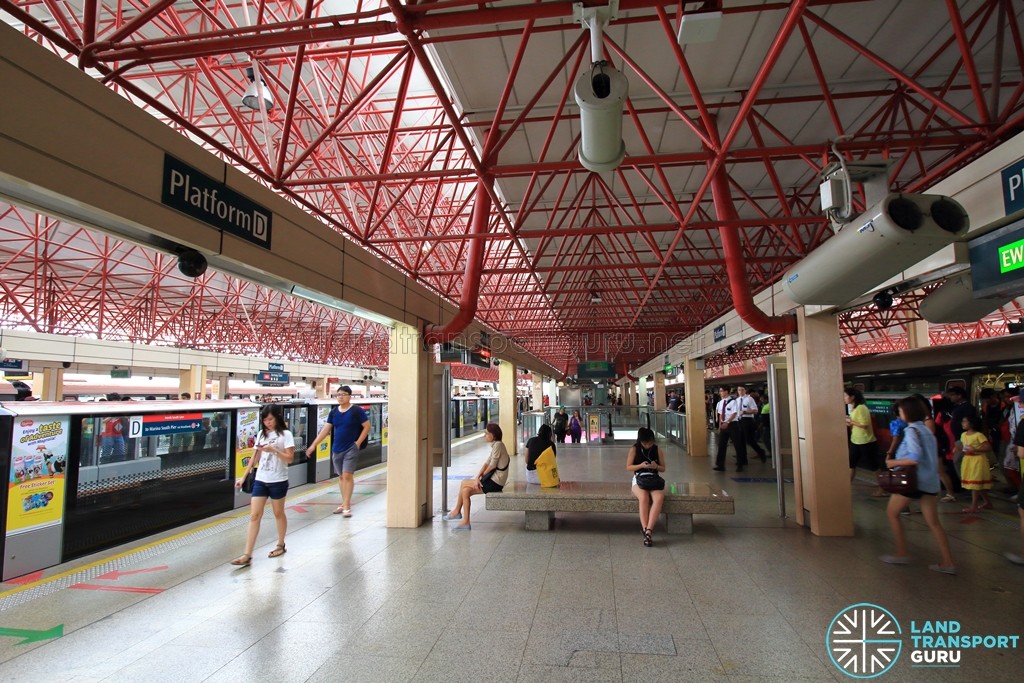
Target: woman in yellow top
[[863, 447], [974, 472]]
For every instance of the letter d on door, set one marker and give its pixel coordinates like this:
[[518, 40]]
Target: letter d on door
[[135, 427]]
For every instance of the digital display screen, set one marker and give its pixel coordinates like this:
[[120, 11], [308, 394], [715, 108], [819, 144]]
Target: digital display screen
[[997, 261]]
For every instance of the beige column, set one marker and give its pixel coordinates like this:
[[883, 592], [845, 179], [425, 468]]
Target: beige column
[[507, 405], [193, 381], [628, 393], [322, 387], [696, 418], [410, 477], [917, 334], [748, 366], [222, 385], [821, 468], [642, 392], [48, 385], [659, 391], [538, 392]]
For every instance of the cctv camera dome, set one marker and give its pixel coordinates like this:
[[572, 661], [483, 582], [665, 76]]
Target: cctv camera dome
[[191, 263], [883, 300]]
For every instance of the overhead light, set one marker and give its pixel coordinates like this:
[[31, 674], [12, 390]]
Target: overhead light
[[339, 305], [251, 98], [595, 296]]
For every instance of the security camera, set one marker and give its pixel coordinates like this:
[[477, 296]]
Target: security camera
[[891, 236], [66, 365], [191, 263], [601, 94], [883, 300], [231, 374]]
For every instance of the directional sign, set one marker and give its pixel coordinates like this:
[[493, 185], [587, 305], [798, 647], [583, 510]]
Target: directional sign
[[165, 423], [275, 367], [719, 332], [116, 574], [30, 636], [269, 378], [13, 364]]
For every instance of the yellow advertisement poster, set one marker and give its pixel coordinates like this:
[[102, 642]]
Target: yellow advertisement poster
[[248, 427], [595, 427], [323, 451], [39, 451]]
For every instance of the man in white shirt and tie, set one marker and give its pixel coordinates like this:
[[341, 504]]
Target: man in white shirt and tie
[[748, 409], [728, 416]]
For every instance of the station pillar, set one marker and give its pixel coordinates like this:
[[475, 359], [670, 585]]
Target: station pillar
[[507, 405], [51, 388], [642, 392], [917, 334], [538, 392], [322, 387], [552, 393], [222, 385], [659, 391], [193, 381], [410, 475], [696, 417], [628, 393], [821, 469]]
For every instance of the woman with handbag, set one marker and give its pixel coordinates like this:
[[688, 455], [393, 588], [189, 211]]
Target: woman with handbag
[[490, 479], [645, 461], [275, 450], [918, 452]]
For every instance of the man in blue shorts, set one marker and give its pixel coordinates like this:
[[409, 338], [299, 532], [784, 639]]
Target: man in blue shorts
[[351, 428]]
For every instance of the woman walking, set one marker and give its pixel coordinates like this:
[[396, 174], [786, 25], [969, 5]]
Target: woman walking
[[575, 426], [917, 449], [975, 474], [862, 446], [275, 450]]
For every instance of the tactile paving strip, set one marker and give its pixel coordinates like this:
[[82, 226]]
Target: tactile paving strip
[[49, 587]]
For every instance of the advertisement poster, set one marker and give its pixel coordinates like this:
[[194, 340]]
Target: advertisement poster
[[323, 451], [39, 451], [248, 427], [384, 426]]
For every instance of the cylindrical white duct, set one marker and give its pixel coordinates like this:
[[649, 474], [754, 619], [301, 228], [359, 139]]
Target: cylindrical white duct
[[954, 302], [601, 147], [889, 237]]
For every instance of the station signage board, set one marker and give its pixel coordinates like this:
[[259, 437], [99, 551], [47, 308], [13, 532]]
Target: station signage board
[[164, 423], [720, 332], [997, 261], [1013, 187], [211, 201], [595, 369], [14, 364], [275, 367], [272, 379], [478, 358], [121, 373]]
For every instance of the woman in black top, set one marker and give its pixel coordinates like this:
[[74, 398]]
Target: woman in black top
[[645, 455], [534, 447]]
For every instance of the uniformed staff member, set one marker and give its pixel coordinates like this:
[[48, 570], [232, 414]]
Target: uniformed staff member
[[746, 406], [727, 414]]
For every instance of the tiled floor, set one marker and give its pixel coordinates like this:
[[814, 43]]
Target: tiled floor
[[746, 598]]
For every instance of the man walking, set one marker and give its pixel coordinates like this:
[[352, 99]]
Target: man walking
[[746, 406], [729, 428], [351, 428]]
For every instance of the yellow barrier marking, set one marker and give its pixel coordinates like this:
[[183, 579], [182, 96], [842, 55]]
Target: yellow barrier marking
[[142, 548]]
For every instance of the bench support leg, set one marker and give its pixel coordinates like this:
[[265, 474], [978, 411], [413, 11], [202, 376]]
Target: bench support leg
[[679, 523], [539, 520]]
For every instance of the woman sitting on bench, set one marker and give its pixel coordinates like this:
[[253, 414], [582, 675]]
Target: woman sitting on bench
[[491, 478], [645, 460]]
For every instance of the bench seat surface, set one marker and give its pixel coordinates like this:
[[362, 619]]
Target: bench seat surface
[[594, 496]]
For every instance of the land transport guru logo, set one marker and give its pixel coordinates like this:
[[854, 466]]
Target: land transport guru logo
[[865, 641]]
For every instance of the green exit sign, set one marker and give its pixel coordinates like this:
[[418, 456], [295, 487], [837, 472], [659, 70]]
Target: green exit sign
[[1011, 256], [121, 374]]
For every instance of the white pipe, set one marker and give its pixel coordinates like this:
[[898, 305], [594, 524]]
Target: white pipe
[[596, 38]]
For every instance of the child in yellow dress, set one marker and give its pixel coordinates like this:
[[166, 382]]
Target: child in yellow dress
[[974, 471]]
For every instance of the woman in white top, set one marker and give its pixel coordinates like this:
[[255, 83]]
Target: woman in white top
[[275, 450], [491, 478]]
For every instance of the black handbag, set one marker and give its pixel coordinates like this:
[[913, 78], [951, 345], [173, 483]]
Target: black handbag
[[649, 480], [249, 481], [902, 481]]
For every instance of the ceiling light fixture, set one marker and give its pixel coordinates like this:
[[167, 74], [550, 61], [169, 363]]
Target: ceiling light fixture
[[251, 98]]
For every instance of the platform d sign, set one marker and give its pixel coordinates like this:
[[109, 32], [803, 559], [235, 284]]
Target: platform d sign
[[135, 427]]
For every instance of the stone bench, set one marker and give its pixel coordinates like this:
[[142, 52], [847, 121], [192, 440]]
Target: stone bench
[[541, 504]]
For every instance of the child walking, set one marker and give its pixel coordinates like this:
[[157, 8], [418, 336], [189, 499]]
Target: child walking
[[974, 471]]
